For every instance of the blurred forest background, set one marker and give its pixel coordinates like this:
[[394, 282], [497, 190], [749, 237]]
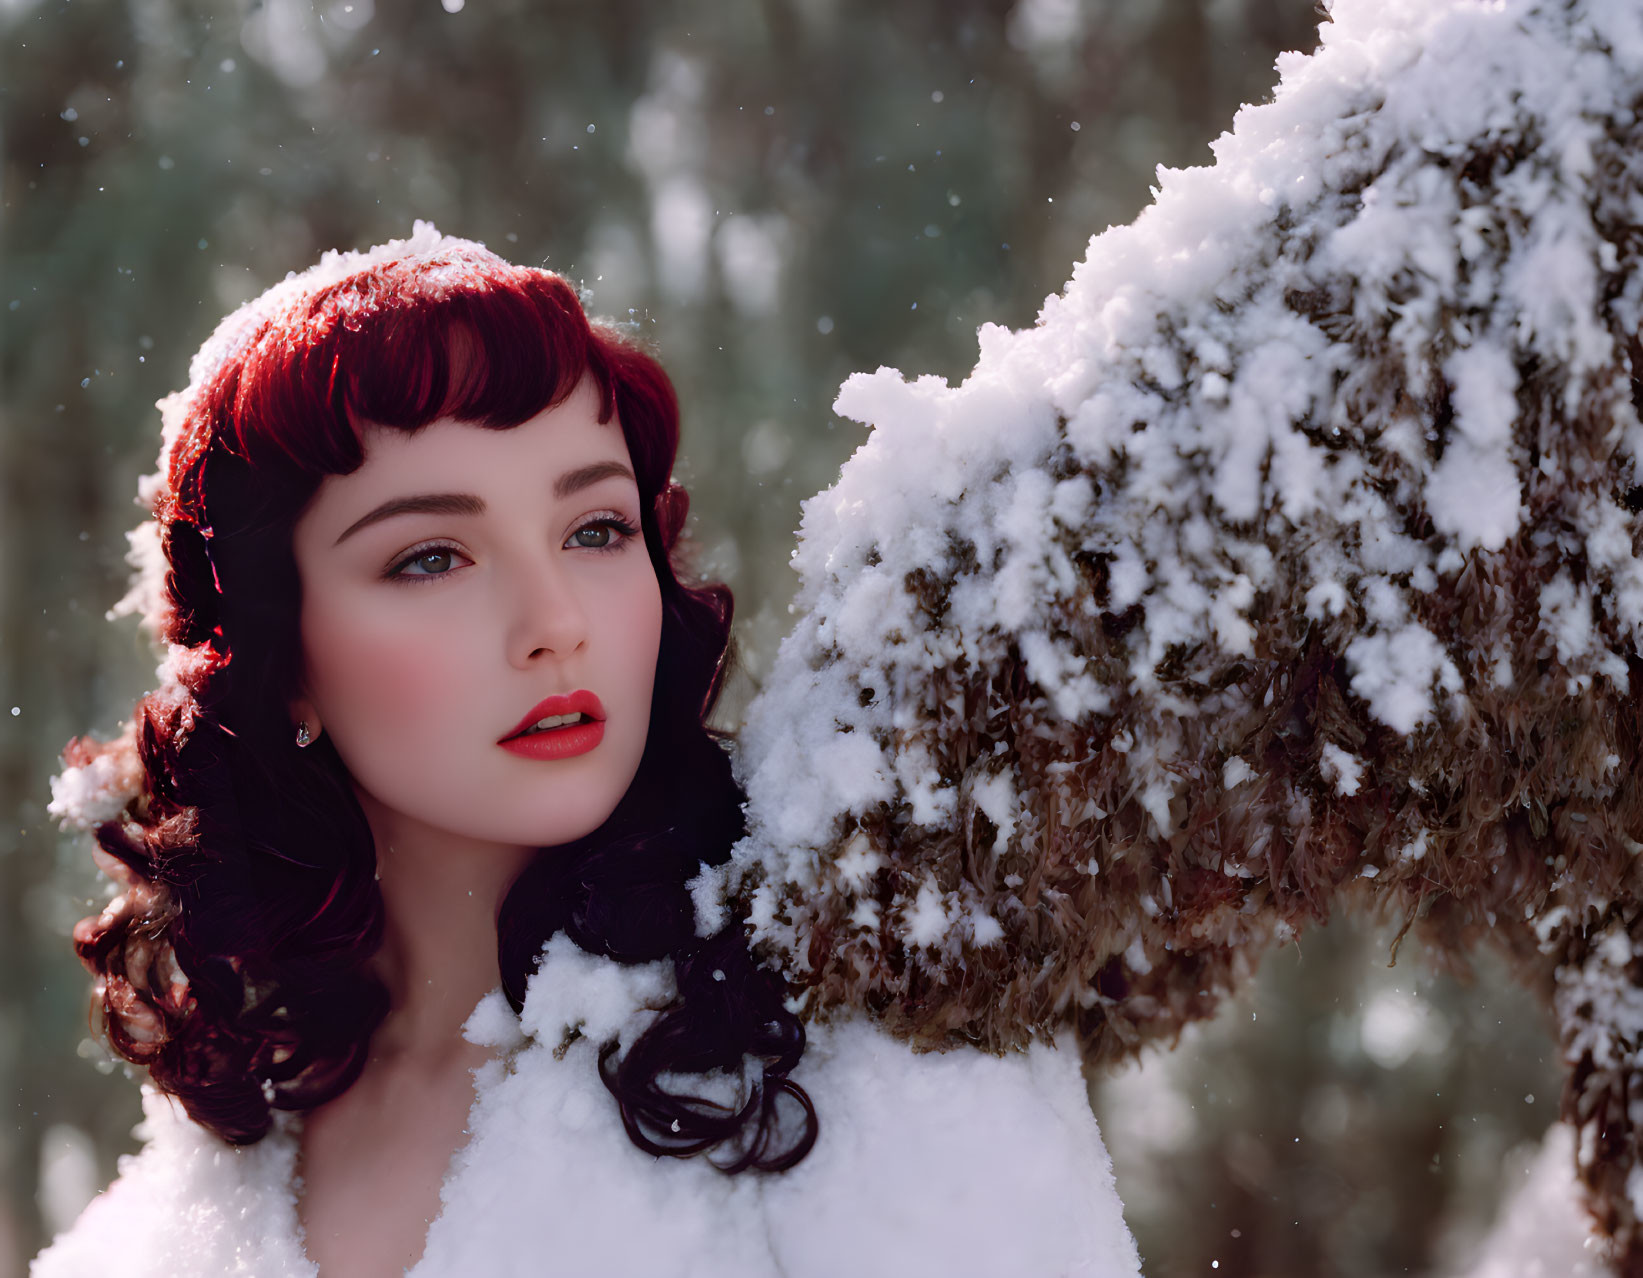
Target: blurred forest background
[[776, 193]]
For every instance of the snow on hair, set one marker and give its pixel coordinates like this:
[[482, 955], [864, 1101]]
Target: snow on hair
[[1289, 562], [233, 963]]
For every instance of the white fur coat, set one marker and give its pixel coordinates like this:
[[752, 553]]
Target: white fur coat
[[953, 1163]]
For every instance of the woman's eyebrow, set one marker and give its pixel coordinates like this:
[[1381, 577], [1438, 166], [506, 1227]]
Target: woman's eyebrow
[[574, 481], [567, 485]]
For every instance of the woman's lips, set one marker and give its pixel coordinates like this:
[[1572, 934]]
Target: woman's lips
[[559, 743], [579, 702]]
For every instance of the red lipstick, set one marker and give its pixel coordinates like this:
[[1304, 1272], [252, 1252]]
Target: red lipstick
[[563, 742]]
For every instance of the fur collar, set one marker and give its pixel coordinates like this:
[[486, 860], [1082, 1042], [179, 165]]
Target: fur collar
[[958, 1163]]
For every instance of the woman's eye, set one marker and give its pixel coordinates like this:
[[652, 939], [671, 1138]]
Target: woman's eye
[[604, 534], [436, 561]]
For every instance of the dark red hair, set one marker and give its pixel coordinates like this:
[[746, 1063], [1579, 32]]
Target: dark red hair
[[235, 965]]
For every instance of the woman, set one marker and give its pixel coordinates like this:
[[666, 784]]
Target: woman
[[431, 722]]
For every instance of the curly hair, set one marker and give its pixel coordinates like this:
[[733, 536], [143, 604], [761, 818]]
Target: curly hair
[[234, 965]]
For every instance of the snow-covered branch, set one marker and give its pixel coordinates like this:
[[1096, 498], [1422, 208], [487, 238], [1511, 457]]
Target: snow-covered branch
[[1289, 561]]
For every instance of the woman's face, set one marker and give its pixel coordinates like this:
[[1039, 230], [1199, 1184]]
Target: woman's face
[[456, 581]]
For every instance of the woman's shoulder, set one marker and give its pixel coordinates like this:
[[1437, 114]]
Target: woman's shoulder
[[549, 1178], [187, 1204], [957, 1162]]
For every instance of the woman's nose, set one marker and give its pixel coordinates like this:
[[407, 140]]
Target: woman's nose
[[547, 615]]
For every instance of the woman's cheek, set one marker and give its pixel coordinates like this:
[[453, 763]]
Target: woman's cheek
[[386, 678], [642, 626]]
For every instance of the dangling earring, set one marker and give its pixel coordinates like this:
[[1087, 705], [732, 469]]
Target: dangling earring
[[303, 739]]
